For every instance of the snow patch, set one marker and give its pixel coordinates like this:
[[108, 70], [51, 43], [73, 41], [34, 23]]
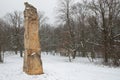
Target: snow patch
[[33, 53]]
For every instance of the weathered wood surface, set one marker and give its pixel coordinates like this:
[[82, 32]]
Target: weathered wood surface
[[32, 60]]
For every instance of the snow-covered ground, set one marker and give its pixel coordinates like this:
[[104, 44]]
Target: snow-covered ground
[[58, 68]]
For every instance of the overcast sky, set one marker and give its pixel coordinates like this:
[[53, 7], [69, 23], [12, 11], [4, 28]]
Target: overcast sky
[[48, 6]]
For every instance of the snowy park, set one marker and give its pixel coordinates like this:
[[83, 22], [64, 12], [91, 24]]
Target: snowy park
[[57, 68], [60, 40]]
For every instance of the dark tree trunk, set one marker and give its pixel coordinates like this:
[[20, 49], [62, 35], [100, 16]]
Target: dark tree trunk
[[1, 60], [105, 54], [105, 46], [21, 53], [83, 54], [74, 54], [16, 52], [1, 57]]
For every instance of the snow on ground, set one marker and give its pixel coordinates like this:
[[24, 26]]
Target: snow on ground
[[57, 68]]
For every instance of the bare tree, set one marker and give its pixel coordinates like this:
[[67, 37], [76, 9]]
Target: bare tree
[[107, 12], [16, 22], [3, 38], [80, 14], [42, 18], [65, 15]]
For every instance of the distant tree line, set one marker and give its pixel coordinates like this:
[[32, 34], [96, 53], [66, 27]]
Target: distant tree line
[[87, 29], [12, 32]]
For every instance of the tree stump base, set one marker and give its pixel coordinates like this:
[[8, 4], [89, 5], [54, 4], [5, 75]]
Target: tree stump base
[[33, 64]]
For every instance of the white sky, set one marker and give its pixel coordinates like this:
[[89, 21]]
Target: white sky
[[48, 6]]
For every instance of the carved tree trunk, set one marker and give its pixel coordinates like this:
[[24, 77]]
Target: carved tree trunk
[[32, 59]]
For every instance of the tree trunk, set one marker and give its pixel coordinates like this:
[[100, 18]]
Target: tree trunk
[[74, 54], [1, 60], [32, 59], [69, 56], [105, 46], [21, 53], [83, 52], [15, 51], [0, 57]]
